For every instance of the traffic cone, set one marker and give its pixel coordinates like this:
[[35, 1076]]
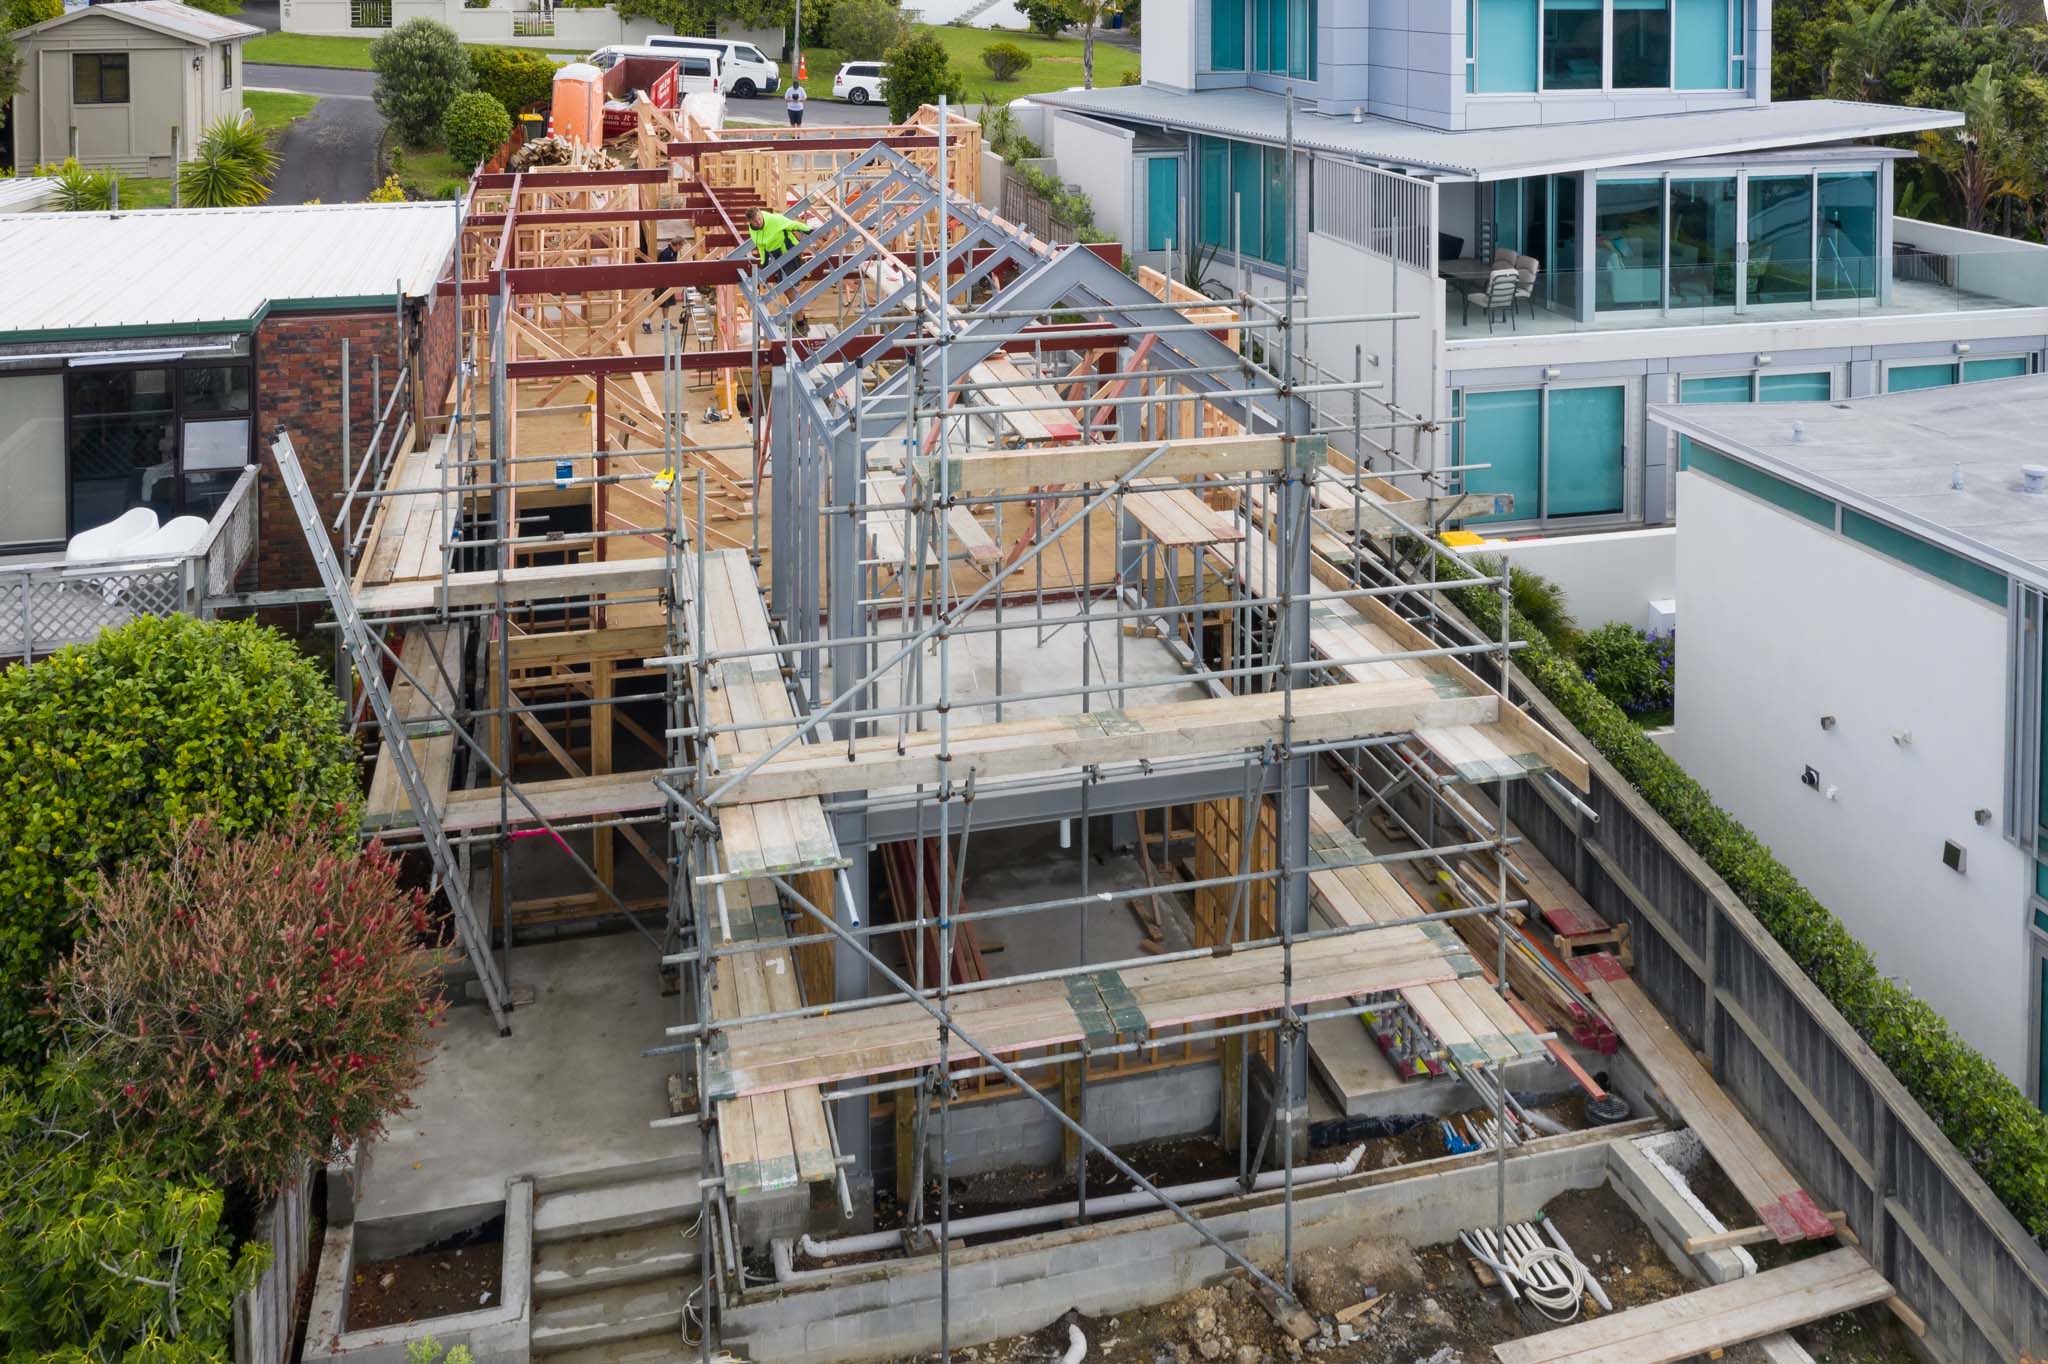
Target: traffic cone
[[802, 72]]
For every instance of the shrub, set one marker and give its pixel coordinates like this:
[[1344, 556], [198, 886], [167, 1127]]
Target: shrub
[[919, 74], [421, 68], [390, 192], [1537, 599], [22, 13], [475, 127], [1982, 1113], [1630, 668], [1005, 60], [80, 190], [100, 1257], [517, 77], [107, 746], [232, 168], [1048, 17], [862, 30], [251, 1003], [1128, 78]]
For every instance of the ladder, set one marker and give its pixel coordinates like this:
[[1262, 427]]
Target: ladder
[[365, 653]]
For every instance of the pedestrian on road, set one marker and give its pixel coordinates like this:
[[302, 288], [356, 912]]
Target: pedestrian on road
[[793, 101]]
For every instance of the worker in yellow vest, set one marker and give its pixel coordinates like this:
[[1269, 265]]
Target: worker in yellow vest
[[773, 234]]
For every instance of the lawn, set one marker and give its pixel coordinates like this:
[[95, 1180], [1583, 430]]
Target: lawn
[[271, 110], [1055, 65], [428, 173], [308, 49], [137, 192]]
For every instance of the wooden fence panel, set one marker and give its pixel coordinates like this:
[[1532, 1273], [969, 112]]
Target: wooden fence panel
[[266, 1314]]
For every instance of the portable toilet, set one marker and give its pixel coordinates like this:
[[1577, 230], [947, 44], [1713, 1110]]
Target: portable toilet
[[579, 104]]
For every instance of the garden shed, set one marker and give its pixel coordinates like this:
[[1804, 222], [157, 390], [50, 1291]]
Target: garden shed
[[128, 85]]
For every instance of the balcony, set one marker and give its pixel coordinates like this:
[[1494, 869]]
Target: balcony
[[48, 604], [1932, 270]]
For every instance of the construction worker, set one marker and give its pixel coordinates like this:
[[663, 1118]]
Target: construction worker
[[774, 235]]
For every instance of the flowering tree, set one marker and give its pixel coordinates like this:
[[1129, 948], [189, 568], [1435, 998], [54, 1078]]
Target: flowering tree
[[251, 1002]]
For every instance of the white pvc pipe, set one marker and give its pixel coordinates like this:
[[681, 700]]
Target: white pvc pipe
[[1077, 1345], [1017, 1218]]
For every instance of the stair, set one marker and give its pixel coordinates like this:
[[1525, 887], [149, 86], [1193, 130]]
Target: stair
[[613, 1266]]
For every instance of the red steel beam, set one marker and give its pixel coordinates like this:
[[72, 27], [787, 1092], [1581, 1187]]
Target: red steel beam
[[570, 179]]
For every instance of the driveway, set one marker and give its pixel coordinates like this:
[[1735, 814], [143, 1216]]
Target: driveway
[[330, 154], [309, 80]]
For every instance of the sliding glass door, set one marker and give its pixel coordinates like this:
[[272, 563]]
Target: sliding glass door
[[1705, 224], [1628, 252], [1780, 238]]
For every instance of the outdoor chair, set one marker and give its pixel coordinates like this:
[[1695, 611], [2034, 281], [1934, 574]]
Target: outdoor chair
[[1498, 298], [1526, 270]]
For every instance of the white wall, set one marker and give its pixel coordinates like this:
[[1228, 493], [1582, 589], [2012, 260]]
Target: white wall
[[1785, 622], [1097, 157], [1166, 43], [1346, 281], [1608, 577], [1995, 266], [576, 30]]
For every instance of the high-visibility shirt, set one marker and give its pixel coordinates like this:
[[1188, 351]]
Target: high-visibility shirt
[[775, 233]]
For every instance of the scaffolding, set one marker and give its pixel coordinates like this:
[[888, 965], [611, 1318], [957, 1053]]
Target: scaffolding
[[940, 449]]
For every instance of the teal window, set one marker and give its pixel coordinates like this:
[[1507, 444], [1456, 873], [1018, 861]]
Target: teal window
[[1505, 430], [1704, 224], [1504, 46], [1276, 206], [1795, 388], [1558, 452], [1571, 44], [1584, 453], [1787, 496], [1848, 262], [1248, 199], [1780, 239], [1226, 35], [1907, 378], [1162, 204], [1738, 45], [1932, 560], [1996, 367], [1642, 44], [1628, 252], [1471, 33], [1507, 214], [1702, 38], [1284, 37], [1716, 388], [1212, 155]]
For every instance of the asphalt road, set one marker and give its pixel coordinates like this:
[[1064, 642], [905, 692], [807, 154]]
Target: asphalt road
[[331, 153], [309, 80]]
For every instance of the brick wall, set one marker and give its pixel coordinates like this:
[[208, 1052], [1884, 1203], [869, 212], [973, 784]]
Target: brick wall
[[437, 357], [298, 387]]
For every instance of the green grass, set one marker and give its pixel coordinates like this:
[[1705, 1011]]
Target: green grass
[[308, 49], [428, 171], [271, 110], [1055, 65], [138, 192]]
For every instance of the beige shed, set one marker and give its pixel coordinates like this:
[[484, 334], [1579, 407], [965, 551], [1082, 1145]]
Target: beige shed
[[128, 84]]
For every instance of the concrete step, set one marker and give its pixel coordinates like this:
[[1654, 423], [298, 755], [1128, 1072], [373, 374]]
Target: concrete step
[[619, 1257], [609, 1316], [615, 1207], [664, 1347]]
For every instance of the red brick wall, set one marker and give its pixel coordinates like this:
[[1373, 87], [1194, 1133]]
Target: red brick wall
[[298, 388], [437, 362]]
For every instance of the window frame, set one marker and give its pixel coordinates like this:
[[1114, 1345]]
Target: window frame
[[119, 61], [1631, 455], [177, 415], [1737, 74]]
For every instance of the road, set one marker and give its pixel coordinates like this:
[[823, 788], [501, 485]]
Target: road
[[331, 153], [309, 80]]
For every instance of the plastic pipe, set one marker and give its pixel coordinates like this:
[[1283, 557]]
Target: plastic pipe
[[1017, 1218], [1077, 1345]]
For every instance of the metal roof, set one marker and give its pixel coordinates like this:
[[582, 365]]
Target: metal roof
[[25, 193], [1502, 153], [165, 16], [168, 270], [1894, 457]]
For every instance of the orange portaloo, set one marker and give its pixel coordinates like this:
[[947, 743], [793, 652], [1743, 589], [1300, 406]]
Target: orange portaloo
[[578, 112]]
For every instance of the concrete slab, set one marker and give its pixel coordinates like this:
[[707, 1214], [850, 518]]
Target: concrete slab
[[1022, 866], [567, 1094]]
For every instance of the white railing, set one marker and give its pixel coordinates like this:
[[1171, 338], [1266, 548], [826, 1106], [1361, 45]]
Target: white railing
[[1391, 216], [47, 604]]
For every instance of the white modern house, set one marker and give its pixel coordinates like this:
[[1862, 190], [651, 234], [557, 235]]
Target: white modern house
[[1684, 238], [1862, 675]]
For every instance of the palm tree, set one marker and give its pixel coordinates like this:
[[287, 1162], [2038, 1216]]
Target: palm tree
[[1975, 157], [1088, 14], [233, 167], [1862, 43]]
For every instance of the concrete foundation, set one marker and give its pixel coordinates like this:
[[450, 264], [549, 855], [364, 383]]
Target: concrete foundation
[[892, 1308], [567, 1093]]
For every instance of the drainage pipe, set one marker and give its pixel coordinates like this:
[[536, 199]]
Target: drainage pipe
[[1017, 1218], [1077, 1345]]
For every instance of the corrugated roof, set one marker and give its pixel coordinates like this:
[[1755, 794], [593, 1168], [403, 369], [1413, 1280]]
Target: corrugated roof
[[25, 193], [1894, 457], [211, 268], [1500, 153], [166, 16]]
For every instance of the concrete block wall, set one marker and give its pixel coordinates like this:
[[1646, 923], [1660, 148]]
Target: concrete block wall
[[881, 1310]]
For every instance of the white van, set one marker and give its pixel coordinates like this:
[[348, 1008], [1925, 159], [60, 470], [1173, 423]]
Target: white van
[[696, 72], [746, 72]]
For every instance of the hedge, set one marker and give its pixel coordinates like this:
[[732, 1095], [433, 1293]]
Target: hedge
[[1984, 1115], [106, 747]]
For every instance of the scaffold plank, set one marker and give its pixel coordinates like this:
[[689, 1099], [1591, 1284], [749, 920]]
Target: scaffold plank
[[1176, 518], [764, 1058], [569, 800], [433, 654], [1710, 1320], [540, 582], [1173, 730], [1054, 466]]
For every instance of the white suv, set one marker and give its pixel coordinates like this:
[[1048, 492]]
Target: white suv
[[858, 82]]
